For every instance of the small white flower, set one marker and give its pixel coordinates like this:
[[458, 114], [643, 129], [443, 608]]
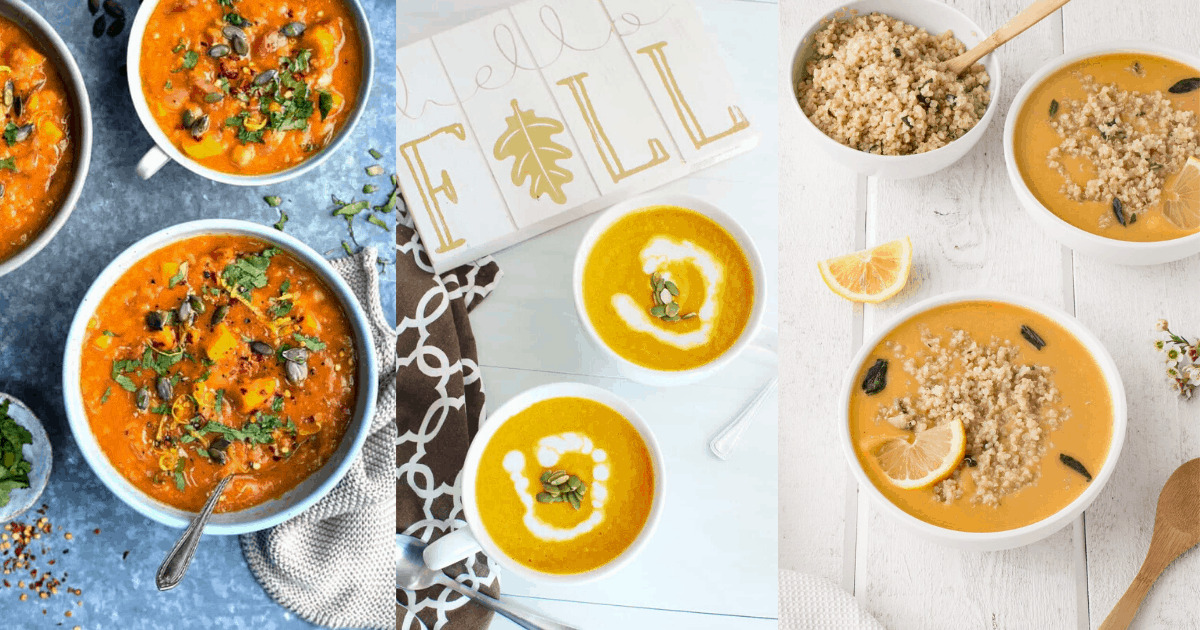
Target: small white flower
[[1161, 325], [1158, 345]]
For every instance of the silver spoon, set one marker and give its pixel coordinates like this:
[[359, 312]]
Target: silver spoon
[[176, 564], [723, 442], [413, 575]]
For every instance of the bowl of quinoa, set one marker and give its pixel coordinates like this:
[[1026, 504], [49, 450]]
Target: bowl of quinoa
[[997, 408], [1131, 140], [870, 81]]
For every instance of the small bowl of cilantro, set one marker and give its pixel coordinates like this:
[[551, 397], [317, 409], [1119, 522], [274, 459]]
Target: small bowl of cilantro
[[24, 458]]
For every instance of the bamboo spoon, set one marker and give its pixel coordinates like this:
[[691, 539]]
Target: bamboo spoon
[[1023, 20], [1176, 529]]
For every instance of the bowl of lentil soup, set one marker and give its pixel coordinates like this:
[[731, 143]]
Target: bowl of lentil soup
[[1025, 404], [853, 78], [220, 347], [1094, 143], [46, 123], [252, 93]]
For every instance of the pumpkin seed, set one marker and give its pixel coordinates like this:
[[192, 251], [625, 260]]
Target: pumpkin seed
[[672, 309], [197, 304], [876, 379], [188, 118], [1053, 108], [186, 313], [199, 126], [296, 372], [237, 38], [142, 398], [1183, 86], [659, 310], [574, 499], [545, 497], [22, 133], [559, 478], [218, 51], [671, 288], [1032, 337], [265, 77], [1074, 464], [164, 388], [293, 29], [219, 314], [298, 355], [574, 483], [258, 347], [8, 93], [665, 297], [551, 488], [154, 321]]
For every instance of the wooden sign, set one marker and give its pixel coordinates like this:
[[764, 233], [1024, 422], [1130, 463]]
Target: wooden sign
[[541, 113]]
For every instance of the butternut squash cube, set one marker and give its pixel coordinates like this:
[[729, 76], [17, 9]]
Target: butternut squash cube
[[257, 392], [102, 342], [222, 343], [204, 148], [169, 269]]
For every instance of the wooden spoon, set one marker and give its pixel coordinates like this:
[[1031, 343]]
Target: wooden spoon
[[1176, 529], [1023, 20]]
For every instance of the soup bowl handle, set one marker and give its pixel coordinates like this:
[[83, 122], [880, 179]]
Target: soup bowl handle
[[445, 551], [150, 163]]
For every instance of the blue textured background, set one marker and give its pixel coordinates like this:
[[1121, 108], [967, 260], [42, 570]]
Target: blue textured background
[[38, 300]]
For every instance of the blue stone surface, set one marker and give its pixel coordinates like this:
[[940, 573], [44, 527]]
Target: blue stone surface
[[115, 567]]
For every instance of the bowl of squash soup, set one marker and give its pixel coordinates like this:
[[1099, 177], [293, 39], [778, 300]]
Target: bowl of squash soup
[[46, 124], [562, 484], [217, 348], [248, 93], [1102, 147], [983, 421], [668, 287]]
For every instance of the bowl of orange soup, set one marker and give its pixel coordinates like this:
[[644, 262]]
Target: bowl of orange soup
[[219, 347], [983, 421], [668, 287], [45, 134], [562, 484], [1102, 147], [248, 93]]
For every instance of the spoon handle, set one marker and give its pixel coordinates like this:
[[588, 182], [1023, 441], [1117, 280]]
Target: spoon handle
[[519, 615], [1123, 613], [176, 564], [1031, 15], [723, 442]]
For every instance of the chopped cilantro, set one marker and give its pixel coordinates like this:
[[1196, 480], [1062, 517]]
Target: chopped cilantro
[[273, 200], [105, 395], [312, 343], [248, 273], [190, 59], [374, 220], [218, 402], [179, 276], [324, 103], [14, 468], [375, 154], [9, 163], [283, 219]]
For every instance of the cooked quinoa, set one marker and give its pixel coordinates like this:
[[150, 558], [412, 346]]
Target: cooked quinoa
[[877, 84], [1134, 141], [1007, 407]]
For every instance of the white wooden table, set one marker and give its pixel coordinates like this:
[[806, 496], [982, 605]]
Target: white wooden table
[[713, 560], [969, 232]]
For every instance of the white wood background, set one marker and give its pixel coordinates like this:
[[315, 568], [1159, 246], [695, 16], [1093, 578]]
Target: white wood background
[[713, 560], [969, 231]]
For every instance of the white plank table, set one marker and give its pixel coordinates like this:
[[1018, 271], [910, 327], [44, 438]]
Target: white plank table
[[969, 232], [713, 560]]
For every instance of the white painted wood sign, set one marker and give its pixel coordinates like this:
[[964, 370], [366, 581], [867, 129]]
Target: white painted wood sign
[[541, 113]]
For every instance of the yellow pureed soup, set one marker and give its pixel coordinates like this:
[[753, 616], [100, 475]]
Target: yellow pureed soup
[[1101, 141], [1025, 411], [582, 439], [668, 288]]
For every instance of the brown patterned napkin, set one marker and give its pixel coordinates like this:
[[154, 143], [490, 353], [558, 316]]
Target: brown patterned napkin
[[439, 405]]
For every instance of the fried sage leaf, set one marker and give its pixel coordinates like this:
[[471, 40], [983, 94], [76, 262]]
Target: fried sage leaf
[[1032, 337], [876, 378], [1074, 464], [1118, 210], [1183, 86]]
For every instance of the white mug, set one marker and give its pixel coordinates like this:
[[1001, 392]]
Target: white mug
[[467, 541], [753, 335]]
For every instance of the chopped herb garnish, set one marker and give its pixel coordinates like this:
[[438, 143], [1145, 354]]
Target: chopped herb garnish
[[346, 246], [14, 468], [374, 220], [104, 397], [375, 154], [180, 483], [273, 200], [369, 188], [283, 219], [374, 170], [324, 103], [179, 275], [8, 164], [248, 273], [218, 402], [190, 59], [312, 343], [350, 209]]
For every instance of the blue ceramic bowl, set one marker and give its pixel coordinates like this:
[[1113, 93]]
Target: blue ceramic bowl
[[38, 454], [295, 500]]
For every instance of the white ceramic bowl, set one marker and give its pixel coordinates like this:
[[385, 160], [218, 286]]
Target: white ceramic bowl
[[294, 501], [165, 151], [936, 18], [1107, 249], [39, 456], [81, 120], [990, 541], [464, 542], [641, 373]]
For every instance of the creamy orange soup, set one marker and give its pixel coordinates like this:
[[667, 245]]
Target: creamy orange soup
[[704, 295], [1114, 121], [1023, 409], [580, 438], [252, 86], [37, 153], [218, 355]]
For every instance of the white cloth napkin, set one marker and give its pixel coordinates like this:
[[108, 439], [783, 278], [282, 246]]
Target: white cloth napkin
[[807, 602], [334, 565]]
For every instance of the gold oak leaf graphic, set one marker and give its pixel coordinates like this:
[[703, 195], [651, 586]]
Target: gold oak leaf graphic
[[529, 140]]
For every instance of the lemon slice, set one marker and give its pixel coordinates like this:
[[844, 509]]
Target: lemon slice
[[928, 459], [871, 275], [1181, 197]]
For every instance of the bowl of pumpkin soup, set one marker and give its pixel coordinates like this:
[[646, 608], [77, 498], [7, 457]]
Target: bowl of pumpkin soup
[[217, 348], [983, 421], [248, 93], [46, 126], [669, 287], [1102, 147], [562, 484]]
